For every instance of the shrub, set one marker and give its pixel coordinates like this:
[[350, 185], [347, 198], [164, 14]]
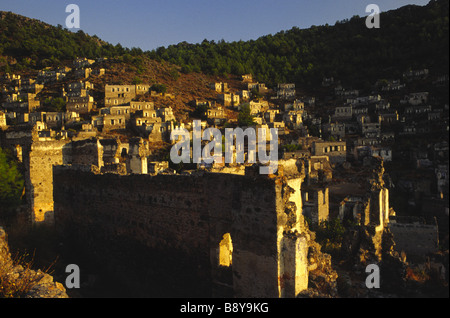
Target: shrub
[[11, 182], [17, 278], [159, 88], [244, 117], [330, 235], [136, 80], [174, 74]]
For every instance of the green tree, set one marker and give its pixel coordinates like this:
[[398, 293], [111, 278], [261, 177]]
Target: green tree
[[174, 74], [200, 112], [11, 182], [245, 118], [313, 130], [56, 104], [292, 147], [330, 235], [136, 80], [411, 36], [159, 88]]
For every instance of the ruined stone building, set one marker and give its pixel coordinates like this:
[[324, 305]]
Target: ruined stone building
[[3, 124], [203, 234], [80, 104], [38, 156], [335, 150], [343, 112], [200, 234], [114, 121], [414, 237], [82, 62], [229, 99], [316, 204], [286, 91], [78, 89], [334, 129], [122, 94], [293, 119], [141, 106], [206, 234], [219, 87]]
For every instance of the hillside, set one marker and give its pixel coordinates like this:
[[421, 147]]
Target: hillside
[[373, 148], [28, 45], [409, 37], [32, 44], [412, 37], [182, 89]]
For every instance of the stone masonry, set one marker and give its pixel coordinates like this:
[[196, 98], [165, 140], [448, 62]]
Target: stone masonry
[[206, 234]]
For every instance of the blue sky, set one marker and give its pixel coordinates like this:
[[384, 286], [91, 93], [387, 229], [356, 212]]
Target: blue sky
[[154, 23]]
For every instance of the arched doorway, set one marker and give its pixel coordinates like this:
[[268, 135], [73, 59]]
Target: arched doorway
[[226, 251]]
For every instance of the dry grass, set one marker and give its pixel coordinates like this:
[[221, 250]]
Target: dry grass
[[417, 275], [17, 277]]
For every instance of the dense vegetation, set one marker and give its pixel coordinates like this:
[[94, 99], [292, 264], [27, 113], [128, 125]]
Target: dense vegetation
[[11, 183], [245, 118], [411, 36], [35, 45]]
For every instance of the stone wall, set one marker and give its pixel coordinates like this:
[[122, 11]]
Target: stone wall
[[42, 157], [335, 150], [415, 239], [316, 207], [38, 158], [87, 152], [166, 233]]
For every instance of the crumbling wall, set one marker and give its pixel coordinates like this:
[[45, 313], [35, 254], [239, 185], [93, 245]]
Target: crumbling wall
[[165, 232], [112, 150], [87, 152], [38, 158], [132, 225], [415, 239], [317, 208], [365, 241], [136, 160], [292, 238], [42, 157]]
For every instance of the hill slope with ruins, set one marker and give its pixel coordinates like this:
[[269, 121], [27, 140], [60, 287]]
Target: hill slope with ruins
[[361, 178]]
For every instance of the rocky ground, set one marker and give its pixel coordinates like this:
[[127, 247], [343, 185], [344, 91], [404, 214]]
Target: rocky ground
[[20, 281]]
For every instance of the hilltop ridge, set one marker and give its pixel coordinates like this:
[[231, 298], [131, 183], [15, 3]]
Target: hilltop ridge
[[411, 36]]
